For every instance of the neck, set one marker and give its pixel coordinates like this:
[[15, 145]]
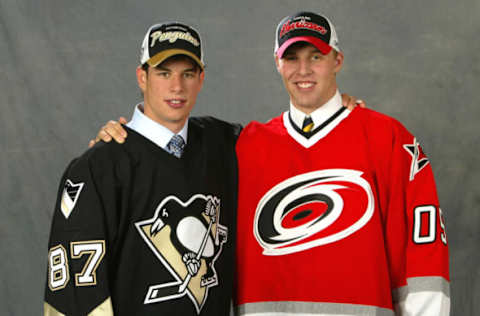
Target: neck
[[311, 108], [174, 126]]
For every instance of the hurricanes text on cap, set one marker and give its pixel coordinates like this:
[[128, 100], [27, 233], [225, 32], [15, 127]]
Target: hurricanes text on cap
[[306, 27], [167, 39]]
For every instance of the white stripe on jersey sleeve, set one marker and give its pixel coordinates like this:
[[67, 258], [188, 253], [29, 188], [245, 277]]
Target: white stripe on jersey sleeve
[[426, 303], [296, 314]]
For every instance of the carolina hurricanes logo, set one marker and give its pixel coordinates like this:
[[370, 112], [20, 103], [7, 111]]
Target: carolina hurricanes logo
[[312, 209]]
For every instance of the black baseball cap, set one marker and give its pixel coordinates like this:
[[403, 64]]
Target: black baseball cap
[[167, 39], [306, 27]]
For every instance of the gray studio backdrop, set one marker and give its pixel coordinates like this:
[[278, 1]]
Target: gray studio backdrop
[[66, 67]]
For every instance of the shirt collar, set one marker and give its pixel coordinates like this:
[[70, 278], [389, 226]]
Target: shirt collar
[[152, 130], [320, 115]]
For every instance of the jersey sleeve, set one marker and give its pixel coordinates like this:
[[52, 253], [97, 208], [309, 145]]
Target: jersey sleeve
[[78, 255], [415, 234]]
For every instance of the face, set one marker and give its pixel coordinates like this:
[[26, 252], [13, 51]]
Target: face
[[170, 91], [308, 75]]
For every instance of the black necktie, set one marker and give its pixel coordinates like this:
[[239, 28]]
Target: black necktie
[[307, 124]]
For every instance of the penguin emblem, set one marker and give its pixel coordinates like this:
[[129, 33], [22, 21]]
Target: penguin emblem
[[187, 238]]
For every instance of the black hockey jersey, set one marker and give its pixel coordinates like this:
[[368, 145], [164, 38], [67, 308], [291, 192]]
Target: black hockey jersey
[[137, 231]]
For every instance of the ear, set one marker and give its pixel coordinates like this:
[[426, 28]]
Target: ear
[[202, 79], [277, 63], [141, 78], [338, 62]]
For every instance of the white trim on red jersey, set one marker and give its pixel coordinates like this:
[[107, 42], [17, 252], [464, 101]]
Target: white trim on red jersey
[[308, 142]]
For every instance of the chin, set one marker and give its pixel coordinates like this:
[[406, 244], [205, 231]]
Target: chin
[[307, 105]]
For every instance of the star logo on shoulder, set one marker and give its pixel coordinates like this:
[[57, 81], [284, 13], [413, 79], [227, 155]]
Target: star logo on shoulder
[[419, 159]]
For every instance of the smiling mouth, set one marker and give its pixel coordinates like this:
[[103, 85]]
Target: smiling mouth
[[304, 85], [176, 103]]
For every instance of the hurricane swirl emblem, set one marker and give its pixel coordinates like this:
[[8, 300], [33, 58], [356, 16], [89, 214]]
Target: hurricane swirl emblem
[[312, 209]]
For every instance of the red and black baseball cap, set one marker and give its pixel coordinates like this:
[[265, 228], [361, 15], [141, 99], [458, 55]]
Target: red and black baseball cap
[[168, 39], [306, 27]]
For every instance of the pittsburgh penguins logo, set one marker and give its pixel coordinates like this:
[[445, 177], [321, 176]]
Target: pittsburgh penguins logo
[[70, 195], [312, 209], [187, 238]]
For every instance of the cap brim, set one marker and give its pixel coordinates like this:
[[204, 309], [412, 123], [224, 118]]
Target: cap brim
[[162, 56], [323, 47]]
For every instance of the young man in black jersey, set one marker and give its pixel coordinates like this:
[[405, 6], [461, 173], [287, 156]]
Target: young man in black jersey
[[148, 227]]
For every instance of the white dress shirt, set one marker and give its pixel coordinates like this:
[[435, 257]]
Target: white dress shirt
[[152, 130], [320, 115]]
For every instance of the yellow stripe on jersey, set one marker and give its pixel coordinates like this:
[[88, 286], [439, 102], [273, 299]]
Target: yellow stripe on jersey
[[49, 310], [104, 309]]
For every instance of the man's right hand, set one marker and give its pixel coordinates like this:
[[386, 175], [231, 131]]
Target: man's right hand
[[113, 129]]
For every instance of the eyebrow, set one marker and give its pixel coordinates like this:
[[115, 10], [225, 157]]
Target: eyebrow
[[166, 69], [288, 53]]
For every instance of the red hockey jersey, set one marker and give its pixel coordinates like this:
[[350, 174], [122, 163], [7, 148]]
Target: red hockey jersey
[[345, 222]]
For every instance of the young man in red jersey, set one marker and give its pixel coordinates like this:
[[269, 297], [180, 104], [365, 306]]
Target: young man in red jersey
[[338, 212]]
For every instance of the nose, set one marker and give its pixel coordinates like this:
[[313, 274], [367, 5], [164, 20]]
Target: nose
[[304, 67], [176, 84]]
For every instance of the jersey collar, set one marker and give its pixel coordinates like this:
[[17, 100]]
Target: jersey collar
[[320, 115], [325, 118]]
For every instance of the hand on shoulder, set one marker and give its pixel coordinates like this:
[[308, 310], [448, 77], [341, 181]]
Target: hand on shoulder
[[111, 130]]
